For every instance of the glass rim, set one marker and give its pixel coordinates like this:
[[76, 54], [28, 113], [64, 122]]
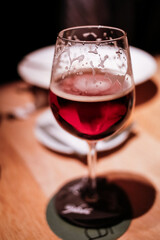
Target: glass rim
[[92, 41]]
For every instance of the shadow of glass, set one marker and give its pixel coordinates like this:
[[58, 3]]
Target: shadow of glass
[[140, 191], [145, 92], [133, 194]]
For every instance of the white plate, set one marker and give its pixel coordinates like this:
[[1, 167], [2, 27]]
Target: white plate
[[35, 68], [52, 136]]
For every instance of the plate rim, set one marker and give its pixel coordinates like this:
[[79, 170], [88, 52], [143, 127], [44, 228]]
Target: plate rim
[[101, 146]]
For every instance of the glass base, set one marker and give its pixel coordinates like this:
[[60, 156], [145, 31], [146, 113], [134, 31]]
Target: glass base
[[108, 208]]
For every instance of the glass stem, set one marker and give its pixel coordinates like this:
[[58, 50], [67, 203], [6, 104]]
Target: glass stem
[[92, 161]]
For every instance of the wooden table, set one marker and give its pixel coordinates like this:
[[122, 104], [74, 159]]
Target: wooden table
[[30, 174]]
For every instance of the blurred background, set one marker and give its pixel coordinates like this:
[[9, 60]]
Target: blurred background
[[30, 26]]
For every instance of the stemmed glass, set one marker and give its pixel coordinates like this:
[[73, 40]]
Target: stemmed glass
[[91, 97]]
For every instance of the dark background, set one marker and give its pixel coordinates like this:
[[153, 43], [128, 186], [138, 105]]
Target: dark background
[[29, 26]]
